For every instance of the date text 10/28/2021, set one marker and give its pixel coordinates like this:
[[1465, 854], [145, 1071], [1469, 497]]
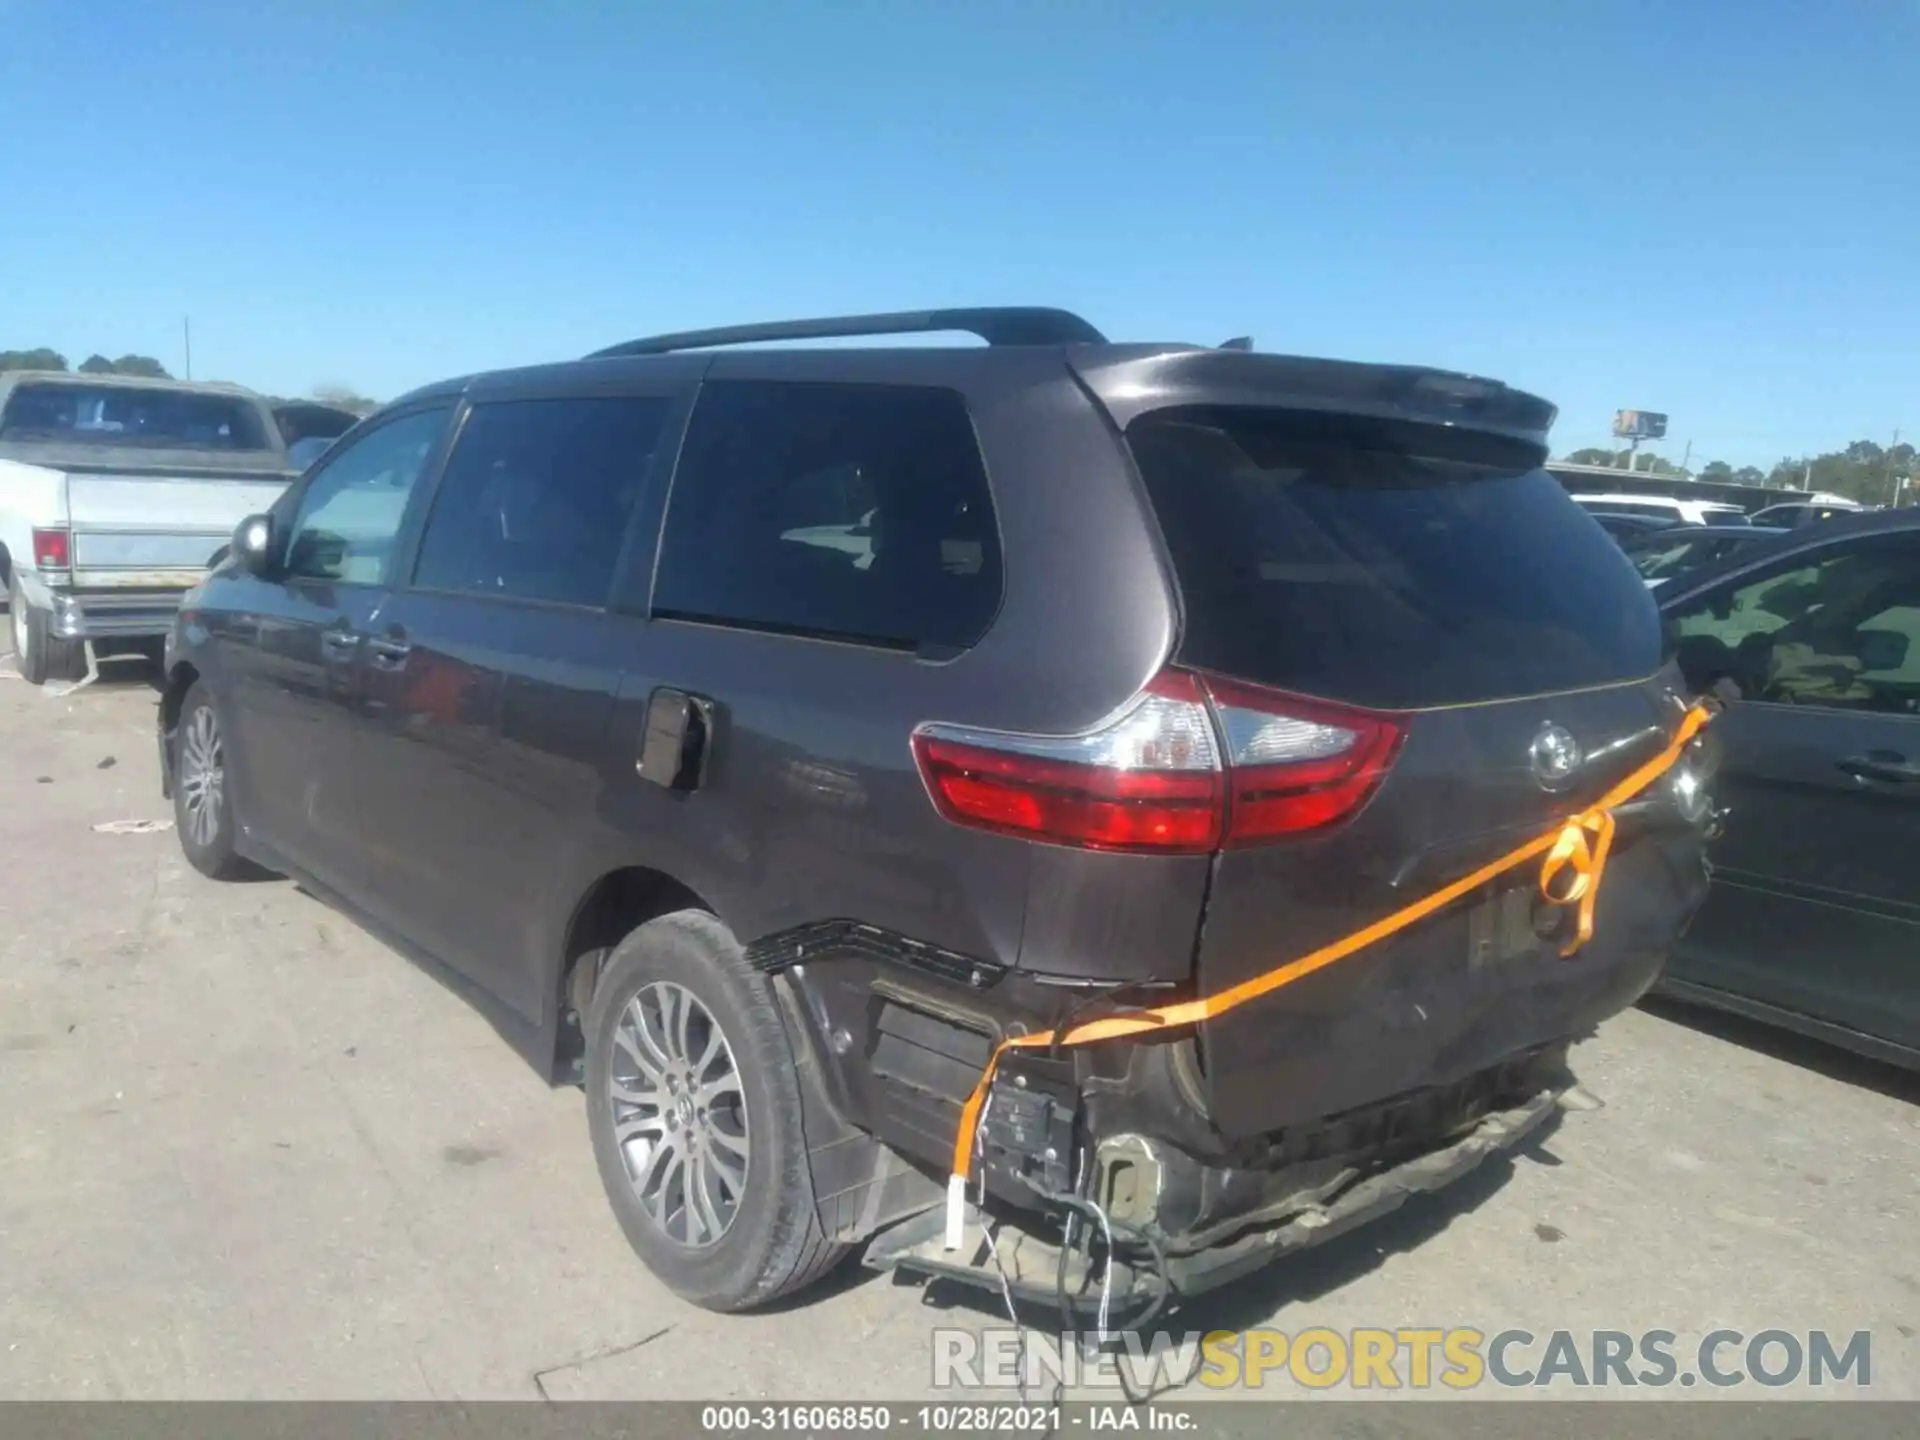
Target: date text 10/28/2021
[[941, 1419]]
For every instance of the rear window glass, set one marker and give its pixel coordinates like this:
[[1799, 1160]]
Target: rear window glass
[[127, 415], [1394, 565]]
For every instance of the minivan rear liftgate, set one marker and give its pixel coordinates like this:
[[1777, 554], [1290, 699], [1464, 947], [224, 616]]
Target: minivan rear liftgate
[[1405, 658]]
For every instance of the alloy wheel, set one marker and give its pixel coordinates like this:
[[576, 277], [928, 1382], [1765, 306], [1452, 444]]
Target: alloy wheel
[[679, 1114], [203, 776]]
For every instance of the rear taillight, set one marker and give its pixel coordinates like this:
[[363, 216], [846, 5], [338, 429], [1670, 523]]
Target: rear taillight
[[1158, 778], [1296, 764], [1149, 779], [52, 550]]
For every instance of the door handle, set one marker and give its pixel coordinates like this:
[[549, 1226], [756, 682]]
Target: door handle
[[388, 654], [1888, 765], [338, 644]]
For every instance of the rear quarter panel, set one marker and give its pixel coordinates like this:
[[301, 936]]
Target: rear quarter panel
[[814, 809]]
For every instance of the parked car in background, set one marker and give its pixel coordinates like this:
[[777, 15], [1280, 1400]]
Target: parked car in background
[[764, 735], [1679, 512], [115, 494], [1802, 512], [1629, 527], [1813, 921], [309, 427], [308, 448], [1663, 555]]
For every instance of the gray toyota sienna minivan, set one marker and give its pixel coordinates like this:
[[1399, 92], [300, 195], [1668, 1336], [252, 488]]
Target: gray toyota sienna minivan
[[761, 736]]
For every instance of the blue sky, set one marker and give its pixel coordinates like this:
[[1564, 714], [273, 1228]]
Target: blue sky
[[1709, 208]]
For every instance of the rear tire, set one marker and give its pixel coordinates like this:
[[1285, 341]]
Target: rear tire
[[673, 1174], [40, 656], [203, 791]]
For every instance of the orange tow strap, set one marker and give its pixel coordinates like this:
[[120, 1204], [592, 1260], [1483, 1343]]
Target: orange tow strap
[[1576, 858]]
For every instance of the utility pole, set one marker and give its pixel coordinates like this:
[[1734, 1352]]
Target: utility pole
[[186, 334], [1893, 482], [1687, 459]]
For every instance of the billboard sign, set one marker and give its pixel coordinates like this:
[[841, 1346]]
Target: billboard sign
[[1639, 425]]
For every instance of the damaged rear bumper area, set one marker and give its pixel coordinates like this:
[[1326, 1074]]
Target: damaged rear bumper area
[[1060, 1266], [1103, 1153]]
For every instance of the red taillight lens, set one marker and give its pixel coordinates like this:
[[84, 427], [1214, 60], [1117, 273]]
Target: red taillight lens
[[52, 550], [1295, 764], [1155, 777], [1147, 780]]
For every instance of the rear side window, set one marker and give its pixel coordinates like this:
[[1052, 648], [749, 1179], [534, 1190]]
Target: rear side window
[[1392, 565], [536, 498], [854, 512]]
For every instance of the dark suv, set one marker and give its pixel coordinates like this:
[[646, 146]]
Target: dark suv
[[759, 736]]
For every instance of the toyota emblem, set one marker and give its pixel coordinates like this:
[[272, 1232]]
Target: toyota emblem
[[1555, 757]]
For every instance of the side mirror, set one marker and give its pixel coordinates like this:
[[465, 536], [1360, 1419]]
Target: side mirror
[[252, 544]]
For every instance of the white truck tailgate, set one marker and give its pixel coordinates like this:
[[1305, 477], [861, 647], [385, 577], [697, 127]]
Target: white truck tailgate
[[157, 529]]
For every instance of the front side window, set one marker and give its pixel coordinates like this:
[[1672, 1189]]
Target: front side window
[[349, 517], [536, 497], [1839, 628], [852, 512]]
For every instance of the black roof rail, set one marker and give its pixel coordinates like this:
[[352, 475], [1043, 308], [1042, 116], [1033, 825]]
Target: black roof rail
[[997, 325]]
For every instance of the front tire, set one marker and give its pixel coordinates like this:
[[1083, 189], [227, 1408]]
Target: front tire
[[203, 792], [694, 1110], [40, 656]]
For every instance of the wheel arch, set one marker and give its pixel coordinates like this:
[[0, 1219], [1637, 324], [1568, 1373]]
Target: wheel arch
[[615, 903], [173, 694]]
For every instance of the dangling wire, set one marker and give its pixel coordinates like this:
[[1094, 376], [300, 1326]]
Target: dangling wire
[[993, 1249], [1163, 1286]]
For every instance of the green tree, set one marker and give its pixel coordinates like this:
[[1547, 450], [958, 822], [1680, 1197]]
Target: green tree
[[41, 359], [1865, 471], [96, 365], [1717, 470], [144, 366], [1788, 473], [344, 397]]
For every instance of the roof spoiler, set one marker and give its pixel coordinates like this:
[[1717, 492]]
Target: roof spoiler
[[1002, 325]]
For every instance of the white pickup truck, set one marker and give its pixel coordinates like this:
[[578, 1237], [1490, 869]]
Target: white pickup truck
[[115, 495]]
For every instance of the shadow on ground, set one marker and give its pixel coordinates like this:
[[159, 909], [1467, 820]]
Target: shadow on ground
[[1796, 1049]]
